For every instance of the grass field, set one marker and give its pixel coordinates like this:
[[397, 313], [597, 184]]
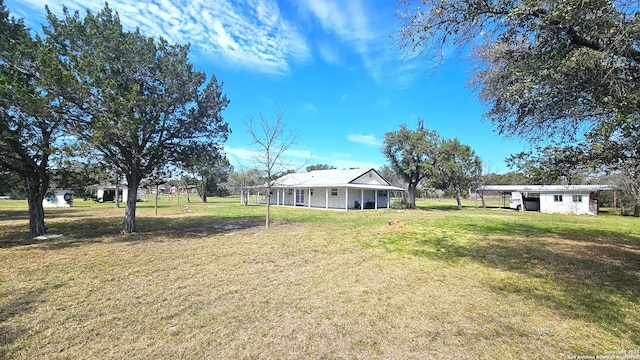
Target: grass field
[[211, 282]]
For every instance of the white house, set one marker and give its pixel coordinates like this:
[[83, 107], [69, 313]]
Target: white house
[[555, 199], [354, 189]]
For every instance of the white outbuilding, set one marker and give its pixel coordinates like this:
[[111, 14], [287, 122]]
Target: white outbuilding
[[555, 199], [58, 198], [353, 189]]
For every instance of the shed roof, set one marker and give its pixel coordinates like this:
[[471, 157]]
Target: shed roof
[[546, 188]]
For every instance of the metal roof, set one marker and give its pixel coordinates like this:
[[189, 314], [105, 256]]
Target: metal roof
[[330, 178], [545, 188]]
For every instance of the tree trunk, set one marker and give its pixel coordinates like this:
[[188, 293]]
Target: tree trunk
[[117, 198], [458, 200], [636, 208], [412, 195], [36, 214], [156, 199], [268, 217], [203, 194], [36, 189], [129, 225]]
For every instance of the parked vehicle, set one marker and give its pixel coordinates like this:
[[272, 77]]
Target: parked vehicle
[[515, 203], [531, 201]]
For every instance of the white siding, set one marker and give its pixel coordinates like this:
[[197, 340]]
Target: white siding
[[319, 198], [567, 205], [370, 178]]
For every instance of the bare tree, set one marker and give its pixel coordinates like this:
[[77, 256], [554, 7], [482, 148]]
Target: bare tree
[[273, 139]]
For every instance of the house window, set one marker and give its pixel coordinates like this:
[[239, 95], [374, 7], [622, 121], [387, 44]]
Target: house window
[[310, 192], [557, 198], [577, 198], [334, 192], [290, 192]]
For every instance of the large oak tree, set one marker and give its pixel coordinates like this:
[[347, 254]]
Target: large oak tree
[[458, 167], [412, 155], [556, 68], [143, 105]]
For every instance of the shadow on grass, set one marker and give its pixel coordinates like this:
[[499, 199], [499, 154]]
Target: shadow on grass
[[91, 230], [49, 214], [18, 305], [190, 227], [13, 215], [587, 274]]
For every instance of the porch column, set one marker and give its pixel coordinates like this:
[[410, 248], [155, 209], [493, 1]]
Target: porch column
[[375, 194], [388, 200], [309, 197], [277, 196], [361, 199], [346, 199], [326, 195]]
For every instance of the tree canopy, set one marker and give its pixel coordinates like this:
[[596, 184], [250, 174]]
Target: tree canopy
[[550, 165], [412, 154], [33, 112], [615, 150], [543, 67], [143, 105], [212, 170], [458, 167], [320, 167]]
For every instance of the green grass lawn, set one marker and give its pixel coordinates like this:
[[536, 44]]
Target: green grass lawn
[[211, 282]]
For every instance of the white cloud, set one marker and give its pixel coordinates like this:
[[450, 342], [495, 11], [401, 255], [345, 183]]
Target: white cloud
[[252, 33], [344, 97], [310, 107], [365, 28], [240, 156], [329, 53], [364, 139], [347, 19]]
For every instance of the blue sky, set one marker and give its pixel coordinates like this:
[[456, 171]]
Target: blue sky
[[329, 65]]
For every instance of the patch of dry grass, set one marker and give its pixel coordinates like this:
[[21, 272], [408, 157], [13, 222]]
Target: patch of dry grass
[[445, 284]]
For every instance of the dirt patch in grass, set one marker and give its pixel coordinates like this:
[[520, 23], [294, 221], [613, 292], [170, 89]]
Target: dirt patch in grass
[[395, 225]]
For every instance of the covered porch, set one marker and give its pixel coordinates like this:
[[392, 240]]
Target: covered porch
[[341, 198]]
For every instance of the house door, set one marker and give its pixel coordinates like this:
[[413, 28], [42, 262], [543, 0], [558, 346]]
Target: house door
[[300, 197]]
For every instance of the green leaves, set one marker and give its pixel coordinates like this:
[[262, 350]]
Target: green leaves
[[544, 68], [138, 102], [551, 165], [422, 156]]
